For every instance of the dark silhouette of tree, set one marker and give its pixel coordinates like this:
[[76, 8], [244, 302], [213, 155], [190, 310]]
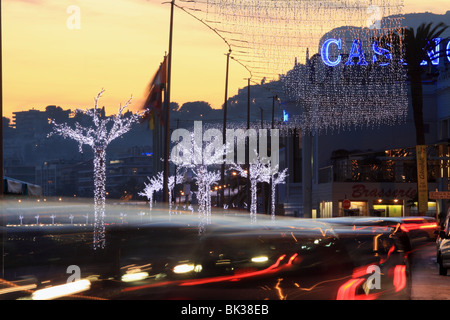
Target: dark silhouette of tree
[[410, 48]]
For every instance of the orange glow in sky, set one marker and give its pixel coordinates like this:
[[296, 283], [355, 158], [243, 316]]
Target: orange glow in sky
[[51, 58]]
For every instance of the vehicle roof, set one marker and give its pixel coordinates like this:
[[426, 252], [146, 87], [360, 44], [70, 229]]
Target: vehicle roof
[[375, 220]]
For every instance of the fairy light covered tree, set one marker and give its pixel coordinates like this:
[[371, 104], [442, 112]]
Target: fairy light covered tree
[[205, 180], [278, 177], [260, 171], [172, 181], [98, 136], [196, 154], [155, 184]]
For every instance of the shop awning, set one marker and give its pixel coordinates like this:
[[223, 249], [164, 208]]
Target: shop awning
[[14, 186]]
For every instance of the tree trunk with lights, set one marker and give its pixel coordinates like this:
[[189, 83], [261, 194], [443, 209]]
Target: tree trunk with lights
[[98, 137]]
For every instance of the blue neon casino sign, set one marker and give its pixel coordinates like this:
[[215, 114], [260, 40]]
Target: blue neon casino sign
[[378, 53]]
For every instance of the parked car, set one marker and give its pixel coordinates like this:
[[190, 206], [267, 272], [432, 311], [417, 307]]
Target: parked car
[[443, 247]]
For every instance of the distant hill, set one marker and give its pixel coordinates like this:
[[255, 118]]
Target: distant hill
[[416, 19], [413, 20]]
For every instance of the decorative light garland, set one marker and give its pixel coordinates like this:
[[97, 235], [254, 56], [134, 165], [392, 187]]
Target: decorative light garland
[[272, 34]]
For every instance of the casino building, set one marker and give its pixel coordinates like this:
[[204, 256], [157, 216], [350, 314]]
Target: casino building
[[374, 168]]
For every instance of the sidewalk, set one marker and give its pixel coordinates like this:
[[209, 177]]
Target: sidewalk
[[427, 284]]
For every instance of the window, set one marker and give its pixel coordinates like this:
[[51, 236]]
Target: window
[[443, 129]]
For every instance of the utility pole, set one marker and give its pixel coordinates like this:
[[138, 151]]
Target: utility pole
[[263, 188], [1, 108], [247, 156], [262, 117], [275, 97], [3, 215], [225, 107], [167, 104], [307, 174]]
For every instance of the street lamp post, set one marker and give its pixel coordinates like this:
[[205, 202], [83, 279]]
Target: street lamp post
[[3, 217], [167, 103], [225, 107], [275, 97], [247, 156]]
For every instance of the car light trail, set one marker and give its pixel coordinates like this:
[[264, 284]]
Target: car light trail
[[391, 249], [14, 287], [61, 290], [183, 283], [292, 258], [260, 259], [183, 268], [235, 277], [279, 290], [399, 277], [137, 276], [348, 290]]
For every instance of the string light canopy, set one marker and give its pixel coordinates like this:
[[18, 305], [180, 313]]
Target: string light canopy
[[348, 79]]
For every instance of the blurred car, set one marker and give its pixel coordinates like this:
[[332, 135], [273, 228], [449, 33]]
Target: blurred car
[[421, 228], [228, 259], [374, 247], [443, 247], [414, 229]]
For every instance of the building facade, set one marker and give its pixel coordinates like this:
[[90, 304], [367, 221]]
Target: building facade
[[374, 168]]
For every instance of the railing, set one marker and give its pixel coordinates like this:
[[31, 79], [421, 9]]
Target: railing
[[354, 171]]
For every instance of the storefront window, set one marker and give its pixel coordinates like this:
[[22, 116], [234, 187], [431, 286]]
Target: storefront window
[[357, 208], [431, 209], [388, 210], [326, 209]]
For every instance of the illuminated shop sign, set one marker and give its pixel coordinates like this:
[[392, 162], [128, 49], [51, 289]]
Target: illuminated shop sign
[[378, 53], [285, 116]]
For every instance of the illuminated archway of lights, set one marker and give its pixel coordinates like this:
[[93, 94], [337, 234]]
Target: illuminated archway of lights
[[281, 40]]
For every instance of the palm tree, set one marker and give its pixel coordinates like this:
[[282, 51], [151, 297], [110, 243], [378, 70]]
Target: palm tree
[[417, 48], [410, 49], [417, 45]]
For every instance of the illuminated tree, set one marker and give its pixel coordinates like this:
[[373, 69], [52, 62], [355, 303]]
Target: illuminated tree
[[98, 136], [259, 172], [156, 183], [197, 156], [277, 178], [172, 181]]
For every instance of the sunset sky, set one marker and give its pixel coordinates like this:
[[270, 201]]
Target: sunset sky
[[118, 47]]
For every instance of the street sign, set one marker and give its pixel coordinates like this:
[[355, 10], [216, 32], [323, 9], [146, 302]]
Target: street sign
[[422, 178], [439, 195], [346, 204]]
